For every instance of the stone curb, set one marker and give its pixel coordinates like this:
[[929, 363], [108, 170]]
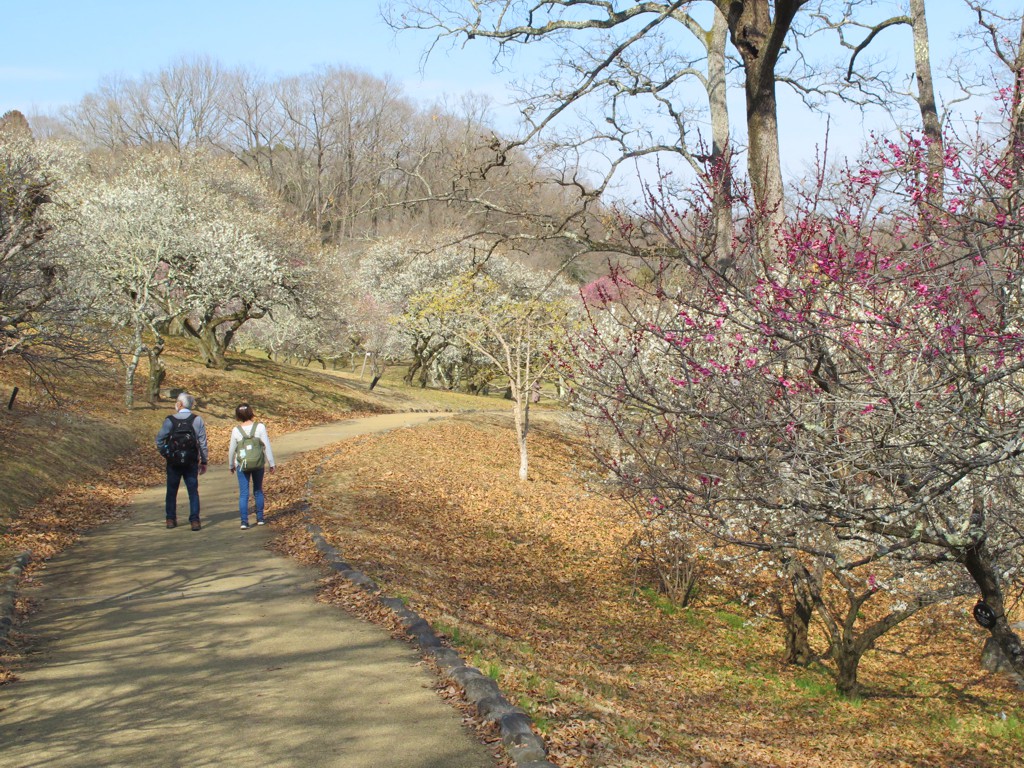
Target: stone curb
[[525, 747], [8, 593]]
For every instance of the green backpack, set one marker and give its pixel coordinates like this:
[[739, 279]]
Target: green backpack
[[249, 451]]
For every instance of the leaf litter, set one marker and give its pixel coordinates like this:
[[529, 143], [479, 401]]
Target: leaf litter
[[531, 583]]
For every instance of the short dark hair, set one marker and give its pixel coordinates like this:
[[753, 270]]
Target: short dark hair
[[244, 412]]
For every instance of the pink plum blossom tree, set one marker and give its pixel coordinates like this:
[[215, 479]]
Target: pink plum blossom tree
[[848, 408]]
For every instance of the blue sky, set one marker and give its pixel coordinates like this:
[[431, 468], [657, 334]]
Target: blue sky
[[56, 51]]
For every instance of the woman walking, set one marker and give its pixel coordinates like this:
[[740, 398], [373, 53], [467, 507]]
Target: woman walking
[[249, 455]]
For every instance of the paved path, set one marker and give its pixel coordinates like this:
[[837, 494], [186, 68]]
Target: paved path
[[180, 648]]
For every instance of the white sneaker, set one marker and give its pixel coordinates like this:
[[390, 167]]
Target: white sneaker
[[245, 526], [260, 522]]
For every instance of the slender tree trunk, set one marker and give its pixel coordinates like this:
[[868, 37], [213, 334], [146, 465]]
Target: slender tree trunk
[[1015, 146], [133, 365], [932, 126], [521, 416], [157, 371], [721, 150]]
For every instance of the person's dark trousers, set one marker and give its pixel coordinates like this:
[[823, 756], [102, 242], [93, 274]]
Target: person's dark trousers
[[174, 477]]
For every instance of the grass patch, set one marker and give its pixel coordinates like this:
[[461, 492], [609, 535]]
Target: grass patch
[[491, 669], [818, 685], [730, 619], [660, 601], [1003, 726]]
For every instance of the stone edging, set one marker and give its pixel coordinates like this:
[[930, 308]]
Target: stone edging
[[8, 593], [525, 747]]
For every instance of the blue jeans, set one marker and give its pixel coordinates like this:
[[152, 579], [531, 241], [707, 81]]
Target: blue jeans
[[174, 477], [256, 475]]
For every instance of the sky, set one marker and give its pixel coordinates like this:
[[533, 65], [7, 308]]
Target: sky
[[56, 51]]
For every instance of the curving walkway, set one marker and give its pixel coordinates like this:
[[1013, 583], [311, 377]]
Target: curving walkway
[[179, 648]]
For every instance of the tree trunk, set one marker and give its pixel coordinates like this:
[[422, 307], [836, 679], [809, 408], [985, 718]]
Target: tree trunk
[[521, 416], [410, 374], [979, 564], [1015, 145], [376, 370], [211, 348], [759, 39], [721, 151], [847, 656], [131, 367], [930, 123], [797, 621], [157, 372], [763, 160]]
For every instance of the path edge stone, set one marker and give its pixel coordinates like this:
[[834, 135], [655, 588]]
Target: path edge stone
[[525, 747], [8, 595]]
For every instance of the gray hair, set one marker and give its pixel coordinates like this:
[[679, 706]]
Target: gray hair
[[185, 400]]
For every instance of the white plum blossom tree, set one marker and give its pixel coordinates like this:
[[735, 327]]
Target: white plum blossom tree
[[390, 273], [42, 321], [175, 244]]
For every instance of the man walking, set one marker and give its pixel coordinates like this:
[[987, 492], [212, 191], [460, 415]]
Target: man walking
[[182, 441]]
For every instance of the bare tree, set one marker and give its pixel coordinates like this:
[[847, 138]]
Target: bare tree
[[628, 59], [924, 93], [180, 106], [1001, 36], [254, 123]]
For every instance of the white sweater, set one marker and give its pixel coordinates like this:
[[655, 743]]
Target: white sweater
[[261, 433]]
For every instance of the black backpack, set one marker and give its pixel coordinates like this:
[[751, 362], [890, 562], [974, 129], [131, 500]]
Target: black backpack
[[182, 446]]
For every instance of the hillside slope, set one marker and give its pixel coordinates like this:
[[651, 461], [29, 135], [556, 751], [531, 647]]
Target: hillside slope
[[89, 438]]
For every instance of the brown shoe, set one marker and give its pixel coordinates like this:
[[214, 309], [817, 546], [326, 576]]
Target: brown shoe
[[172, 523], [196, 525]]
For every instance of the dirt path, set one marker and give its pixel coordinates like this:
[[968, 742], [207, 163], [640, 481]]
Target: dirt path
[[179, 648]]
